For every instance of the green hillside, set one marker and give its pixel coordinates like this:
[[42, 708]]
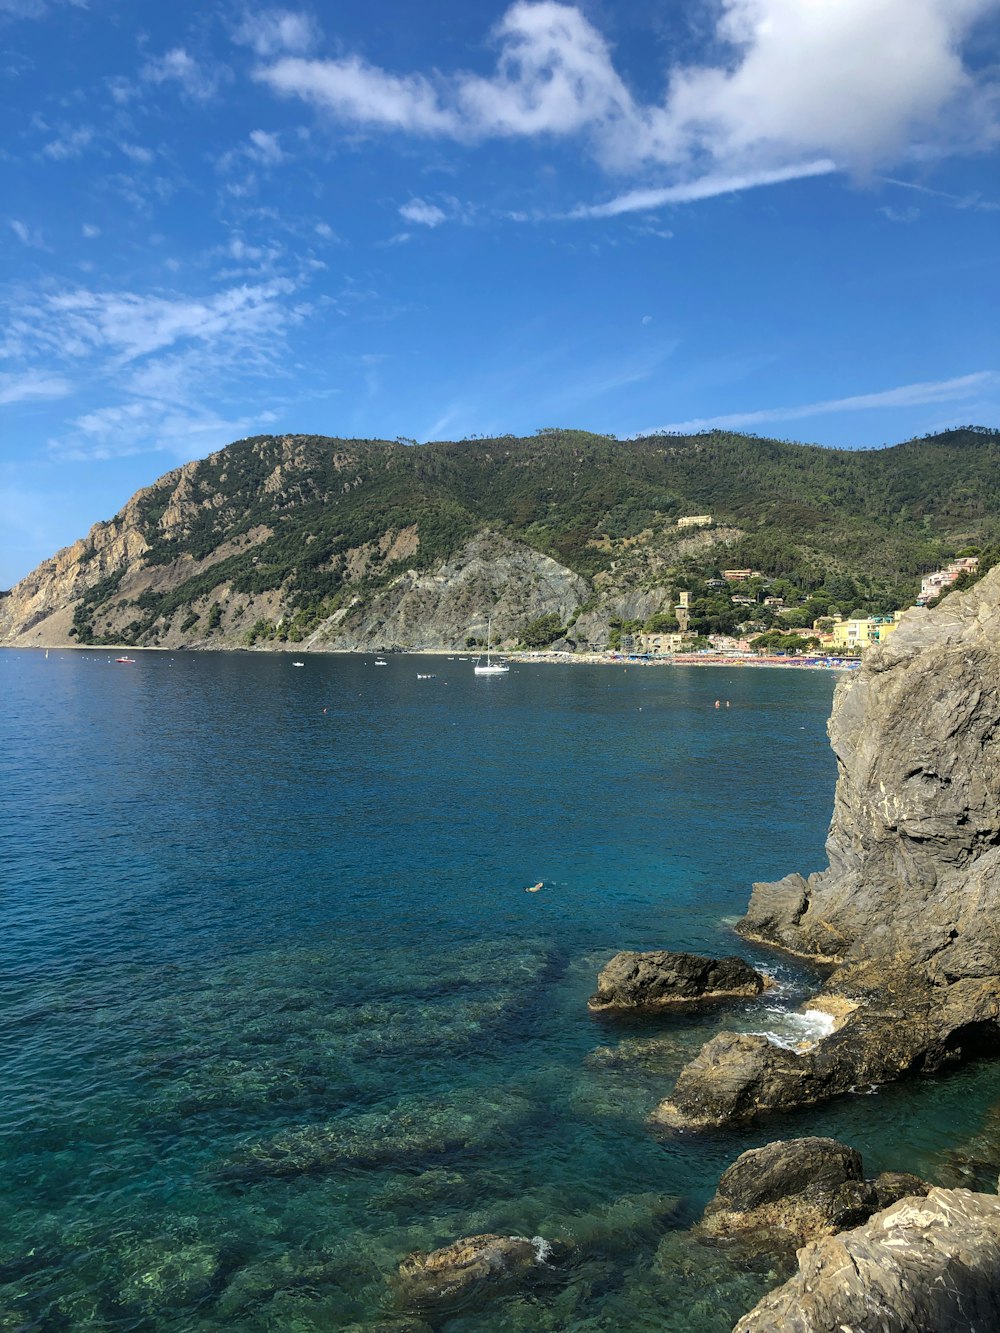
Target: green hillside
[[838, 529]]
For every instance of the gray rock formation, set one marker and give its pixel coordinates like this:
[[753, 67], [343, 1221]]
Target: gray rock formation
[[909, 903], [659, 978], [914, 844], [927, 1265], [492, 577]]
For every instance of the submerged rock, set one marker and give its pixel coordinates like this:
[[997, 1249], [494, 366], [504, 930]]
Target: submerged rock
[[659, 977], [417, 1127], [468, 1269], [924, 1264]]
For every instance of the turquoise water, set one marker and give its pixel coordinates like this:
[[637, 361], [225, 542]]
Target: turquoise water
[[276, 1009]]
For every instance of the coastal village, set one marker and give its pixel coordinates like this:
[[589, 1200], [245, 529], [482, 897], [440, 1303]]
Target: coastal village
[[829, 640]]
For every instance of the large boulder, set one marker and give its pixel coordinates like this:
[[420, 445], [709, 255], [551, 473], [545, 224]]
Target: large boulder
[[798, 1190], [925, 1264], [652, 980]]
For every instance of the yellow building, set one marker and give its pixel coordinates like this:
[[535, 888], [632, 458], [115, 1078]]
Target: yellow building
[[854, 636]]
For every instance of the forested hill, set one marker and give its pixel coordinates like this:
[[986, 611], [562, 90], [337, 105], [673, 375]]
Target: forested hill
[[307, 537]]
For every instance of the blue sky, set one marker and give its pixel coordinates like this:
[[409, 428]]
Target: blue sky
[[441, 219]]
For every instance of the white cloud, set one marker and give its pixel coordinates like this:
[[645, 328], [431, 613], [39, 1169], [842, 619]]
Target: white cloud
[[906, 395], [851, 82], [137, 153], [90, 231], [125, 326], [363, 94], [20, 388], [265, 148], [273, 31], [198, 81], [422, 213], [70, 143]]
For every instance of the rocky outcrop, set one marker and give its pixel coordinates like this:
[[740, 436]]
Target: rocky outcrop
[[914, 843], [908, 905], [795, 1191], [468, 1270], [895, 1021], [660, 978], [924, 1264]]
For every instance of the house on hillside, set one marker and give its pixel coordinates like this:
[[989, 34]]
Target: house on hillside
[[932, 585]]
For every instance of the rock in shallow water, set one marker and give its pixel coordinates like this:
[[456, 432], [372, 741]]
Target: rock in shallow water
[[923, 1266], [798, 1190], [659, 977], [899, 1021], [468, 1270], [417, 1127]]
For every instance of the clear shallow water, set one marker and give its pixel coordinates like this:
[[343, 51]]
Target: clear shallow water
[[275, 1009]]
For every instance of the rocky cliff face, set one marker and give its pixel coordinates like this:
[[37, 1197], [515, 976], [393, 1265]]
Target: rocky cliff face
[[491, 577], [908, 906], [914, 843], [924, 1264]]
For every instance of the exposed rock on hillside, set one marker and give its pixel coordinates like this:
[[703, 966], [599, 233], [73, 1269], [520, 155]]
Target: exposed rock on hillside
[[909, 903], [659, 978], [490, 577], [923, 1264]]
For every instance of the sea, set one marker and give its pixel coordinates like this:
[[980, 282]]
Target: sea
[[276, 1009]]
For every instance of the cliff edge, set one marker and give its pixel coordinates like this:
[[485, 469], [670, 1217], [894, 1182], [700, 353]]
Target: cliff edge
[[907, 908]]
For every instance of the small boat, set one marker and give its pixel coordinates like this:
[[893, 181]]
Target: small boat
[[298, 664], [130, 661], [379, 661], [426, 675], [491, 668]]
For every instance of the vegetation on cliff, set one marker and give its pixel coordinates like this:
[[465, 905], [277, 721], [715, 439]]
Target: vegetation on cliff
[[316, 524]]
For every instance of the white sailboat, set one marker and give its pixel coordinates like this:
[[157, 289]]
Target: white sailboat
[[491, 668]]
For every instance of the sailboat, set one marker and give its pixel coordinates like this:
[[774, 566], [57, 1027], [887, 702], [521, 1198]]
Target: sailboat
[[491, 668]]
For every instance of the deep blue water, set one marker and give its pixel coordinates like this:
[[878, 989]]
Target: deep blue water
[[275, 1009]]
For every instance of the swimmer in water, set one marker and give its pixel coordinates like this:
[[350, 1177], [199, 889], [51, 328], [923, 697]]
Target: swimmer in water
[[533, 888]]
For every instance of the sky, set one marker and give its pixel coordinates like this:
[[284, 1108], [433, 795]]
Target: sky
[[444, 219]]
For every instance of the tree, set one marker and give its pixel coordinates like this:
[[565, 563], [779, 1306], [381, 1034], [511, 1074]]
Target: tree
[[542, 631]]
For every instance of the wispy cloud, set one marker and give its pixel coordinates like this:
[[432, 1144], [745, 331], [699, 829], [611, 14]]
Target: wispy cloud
[[196, 80], [973, 201], [29, 236], [853, 83], [272, 31], [127, 325], [22, 388], [72, 142], [906, 395], [705, 187]]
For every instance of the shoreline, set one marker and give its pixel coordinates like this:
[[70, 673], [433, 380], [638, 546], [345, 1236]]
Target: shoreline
[[513, 657]]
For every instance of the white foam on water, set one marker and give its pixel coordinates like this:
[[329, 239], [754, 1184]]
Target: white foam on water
[[797, 1030], [543, 1250]]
